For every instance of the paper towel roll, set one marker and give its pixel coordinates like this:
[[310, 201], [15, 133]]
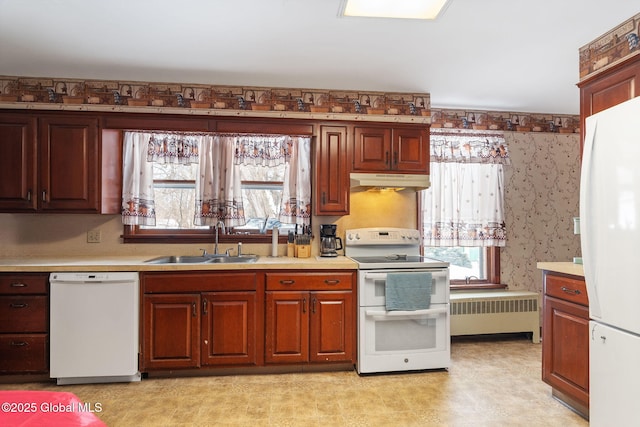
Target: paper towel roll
[[274, 242]]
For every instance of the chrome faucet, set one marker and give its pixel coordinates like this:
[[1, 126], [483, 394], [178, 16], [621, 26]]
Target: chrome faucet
[[219, 223]]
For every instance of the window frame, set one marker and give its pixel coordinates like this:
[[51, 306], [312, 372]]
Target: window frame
[[492, 257]]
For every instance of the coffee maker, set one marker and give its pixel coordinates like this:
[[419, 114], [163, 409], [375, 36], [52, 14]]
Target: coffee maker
[[329, 243]]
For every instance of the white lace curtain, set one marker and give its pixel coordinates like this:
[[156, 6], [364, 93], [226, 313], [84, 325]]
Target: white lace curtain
[[140, 151], [465, 204], [218, 186], [295, 153]]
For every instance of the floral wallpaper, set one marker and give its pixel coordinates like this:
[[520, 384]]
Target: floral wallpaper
[[541, 199]]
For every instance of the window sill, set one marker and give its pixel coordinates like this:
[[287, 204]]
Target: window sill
[[461, 286]]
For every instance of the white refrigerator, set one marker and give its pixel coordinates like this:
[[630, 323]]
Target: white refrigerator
[[610, 236]]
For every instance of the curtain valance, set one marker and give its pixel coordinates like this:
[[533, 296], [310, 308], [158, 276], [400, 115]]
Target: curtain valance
[[468, 146], [172, 148]]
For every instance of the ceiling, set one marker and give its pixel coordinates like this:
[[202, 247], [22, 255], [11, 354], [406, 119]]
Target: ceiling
[[497, 55]]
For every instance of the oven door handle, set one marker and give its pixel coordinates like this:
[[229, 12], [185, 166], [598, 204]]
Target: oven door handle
[[414, 313]]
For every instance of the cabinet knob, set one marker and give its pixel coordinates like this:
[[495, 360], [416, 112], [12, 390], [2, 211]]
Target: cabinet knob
[[204, 306], [331, 281], [304, 305], [19, 343], [287, 282]]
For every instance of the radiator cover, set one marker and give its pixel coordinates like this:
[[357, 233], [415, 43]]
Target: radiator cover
[[493, 312]]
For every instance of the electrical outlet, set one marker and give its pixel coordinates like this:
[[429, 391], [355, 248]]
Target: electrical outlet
[[94, 236]]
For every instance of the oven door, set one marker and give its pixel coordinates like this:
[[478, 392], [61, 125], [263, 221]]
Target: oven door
[[371, 285], [403, 340]]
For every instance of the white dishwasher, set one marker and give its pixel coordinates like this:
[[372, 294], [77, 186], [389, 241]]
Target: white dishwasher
[[94, 321]]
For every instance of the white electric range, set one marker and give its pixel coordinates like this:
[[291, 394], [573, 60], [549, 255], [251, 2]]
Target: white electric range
[[398, 340]]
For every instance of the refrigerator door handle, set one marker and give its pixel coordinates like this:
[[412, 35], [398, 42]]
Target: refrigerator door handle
[[588, 247]]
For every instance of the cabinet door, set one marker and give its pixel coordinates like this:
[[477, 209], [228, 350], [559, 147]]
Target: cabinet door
[[410, 150], [287, 327], [332, 177], [608, 89], [18, 165], [229, 328], [565, 352], [372, 149], [171, 331], [331, 324], [69, 164]]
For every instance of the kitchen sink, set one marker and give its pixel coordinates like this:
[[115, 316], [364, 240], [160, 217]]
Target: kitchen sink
[[200, 259]]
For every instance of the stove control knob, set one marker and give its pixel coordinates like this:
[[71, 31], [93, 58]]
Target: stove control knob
[[353, 236]]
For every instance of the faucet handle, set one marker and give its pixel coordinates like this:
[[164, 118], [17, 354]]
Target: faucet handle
[[227, 252], [204, 252]]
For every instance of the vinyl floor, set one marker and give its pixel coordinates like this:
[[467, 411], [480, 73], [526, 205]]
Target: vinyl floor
[[492, 382]]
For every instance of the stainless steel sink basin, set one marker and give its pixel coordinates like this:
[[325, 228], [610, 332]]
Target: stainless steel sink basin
[[231, 259], [199, 259]]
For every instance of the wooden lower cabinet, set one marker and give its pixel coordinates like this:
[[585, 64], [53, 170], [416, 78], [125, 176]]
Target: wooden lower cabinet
[[171, 331], [309, 325], [24, 323], [198, 320], [229, 326], [565, 343]]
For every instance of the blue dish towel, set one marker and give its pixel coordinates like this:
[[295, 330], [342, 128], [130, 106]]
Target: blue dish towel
[[408, 291]]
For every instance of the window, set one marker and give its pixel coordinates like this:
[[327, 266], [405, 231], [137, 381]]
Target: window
[[462, 213], [175, 200]]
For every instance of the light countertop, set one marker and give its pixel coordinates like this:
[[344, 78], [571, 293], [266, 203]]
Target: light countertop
[[562, 267], [137, 263]]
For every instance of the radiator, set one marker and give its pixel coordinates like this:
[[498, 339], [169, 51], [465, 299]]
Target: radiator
[[493, 312]]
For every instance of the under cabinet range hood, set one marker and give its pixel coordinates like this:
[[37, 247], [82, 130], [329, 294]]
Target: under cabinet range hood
[[409, 182]]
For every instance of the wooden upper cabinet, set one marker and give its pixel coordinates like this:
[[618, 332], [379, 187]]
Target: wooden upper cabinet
[[411, 150], [331, 171], [397, 149], [608, 88], [69, 164], [58, 163], [372, 149], [18, 162]]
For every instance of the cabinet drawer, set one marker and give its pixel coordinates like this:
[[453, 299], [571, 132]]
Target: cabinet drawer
[[13, 284], [198, 282], [309, 281], [23, 313], [23, 353], [566, 288]]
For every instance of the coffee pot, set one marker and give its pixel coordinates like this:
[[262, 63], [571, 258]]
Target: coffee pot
[[329, 243]]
